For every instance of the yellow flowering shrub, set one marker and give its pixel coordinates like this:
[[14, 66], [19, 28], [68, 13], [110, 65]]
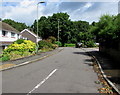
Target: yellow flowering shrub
[[19, 49], [27, 45]]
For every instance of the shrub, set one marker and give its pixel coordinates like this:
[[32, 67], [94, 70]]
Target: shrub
[[19, 48], [15, 55], [52, 39], [90, 44], [54, 46], [26, 53], [19, 41], [4, 58], [58, 43], [27, 45], [44, 44]]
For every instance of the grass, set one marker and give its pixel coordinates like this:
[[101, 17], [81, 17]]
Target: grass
[[69, 45]]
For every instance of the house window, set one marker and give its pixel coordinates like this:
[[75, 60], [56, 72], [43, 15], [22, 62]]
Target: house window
[[18, 36], [4, 33], [12, 35]]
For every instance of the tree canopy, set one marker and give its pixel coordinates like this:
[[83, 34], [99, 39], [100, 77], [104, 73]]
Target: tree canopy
[[107, 30], [17, 25], [69, 31]]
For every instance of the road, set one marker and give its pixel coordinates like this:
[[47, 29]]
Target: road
[[65, 72]]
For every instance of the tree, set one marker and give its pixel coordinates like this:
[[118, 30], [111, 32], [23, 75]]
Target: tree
[[68, 30], [107, 30], [17, 25]]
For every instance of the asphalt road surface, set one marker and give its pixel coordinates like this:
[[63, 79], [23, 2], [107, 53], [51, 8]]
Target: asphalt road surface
[[65, 72]]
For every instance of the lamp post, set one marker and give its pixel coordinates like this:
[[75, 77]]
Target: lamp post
[[58, 32], [37, 24]]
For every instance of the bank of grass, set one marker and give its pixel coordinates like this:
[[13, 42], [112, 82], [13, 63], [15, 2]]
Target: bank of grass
[[69, 45]]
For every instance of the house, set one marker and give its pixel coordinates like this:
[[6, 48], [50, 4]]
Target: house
[[29, 35], [8, 35]]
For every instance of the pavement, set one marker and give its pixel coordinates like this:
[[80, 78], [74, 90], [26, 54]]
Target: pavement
[[110, 67], [67, 71], [30, 58]]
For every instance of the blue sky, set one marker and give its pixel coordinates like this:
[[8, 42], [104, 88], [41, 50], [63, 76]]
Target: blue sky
[[26, 10]]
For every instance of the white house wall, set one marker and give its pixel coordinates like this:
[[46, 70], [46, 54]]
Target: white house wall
[[8, 38]]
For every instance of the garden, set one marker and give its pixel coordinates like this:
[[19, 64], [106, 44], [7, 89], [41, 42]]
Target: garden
[[23, 48]]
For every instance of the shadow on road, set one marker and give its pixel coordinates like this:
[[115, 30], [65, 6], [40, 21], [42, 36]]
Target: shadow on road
[[109, 65], [82, 53]]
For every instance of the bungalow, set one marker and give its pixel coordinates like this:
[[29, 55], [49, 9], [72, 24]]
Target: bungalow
[[8, 35], [29, 35]]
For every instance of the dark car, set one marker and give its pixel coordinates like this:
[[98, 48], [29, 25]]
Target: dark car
[[78, 45]]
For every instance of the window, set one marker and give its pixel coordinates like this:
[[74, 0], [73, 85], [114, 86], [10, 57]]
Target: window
[[12, 34], [18, 36], [4, 33]]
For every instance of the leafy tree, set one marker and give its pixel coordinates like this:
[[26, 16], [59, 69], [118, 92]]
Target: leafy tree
[[17, 25], [107, 30]]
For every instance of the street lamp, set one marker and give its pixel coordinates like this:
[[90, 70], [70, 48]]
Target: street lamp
[[37, 24], [58, 32]]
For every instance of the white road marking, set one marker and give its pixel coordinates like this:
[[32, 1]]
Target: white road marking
[[38, 85]]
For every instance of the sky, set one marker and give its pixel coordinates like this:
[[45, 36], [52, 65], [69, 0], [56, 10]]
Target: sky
[[25, 11]]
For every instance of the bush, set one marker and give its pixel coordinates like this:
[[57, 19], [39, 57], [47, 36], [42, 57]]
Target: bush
[[54, 46], [44, 44], [19, 41], [4, 58], [58, 43], [52, 39], [19, 49], [15, 55], [27, 45], [90, 44], [26, 53]]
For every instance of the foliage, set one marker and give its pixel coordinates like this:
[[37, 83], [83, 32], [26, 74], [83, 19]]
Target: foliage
[[54, 46], [4, 58], [58, 43], [69, 45], [52, 39], [19, 41], [44, 44], [26, 53], [15, 55], [107, 31], [68, 30], [27, 45], [19, 49], [90, 43], [17, 25]]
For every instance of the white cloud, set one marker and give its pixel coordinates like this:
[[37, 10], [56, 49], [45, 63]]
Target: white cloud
[[96, 13], [26, 10]]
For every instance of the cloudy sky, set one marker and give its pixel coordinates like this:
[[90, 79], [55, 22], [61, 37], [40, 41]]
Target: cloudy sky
[[26, 10]]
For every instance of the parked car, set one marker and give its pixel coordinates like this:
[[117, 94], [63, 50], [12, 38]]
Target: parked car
[[78, 45]]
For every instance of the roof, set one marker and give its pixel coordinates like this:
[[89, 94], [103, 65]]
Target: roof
[[5, 26], [29, 32]]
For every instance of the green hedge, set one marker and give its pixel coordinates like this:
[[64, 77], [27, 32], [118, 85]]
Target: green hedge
[[69, 45]]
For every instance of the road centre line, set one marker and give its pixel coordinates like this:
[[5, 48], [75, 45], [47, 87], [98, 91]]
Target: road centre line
[[43, 81]]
